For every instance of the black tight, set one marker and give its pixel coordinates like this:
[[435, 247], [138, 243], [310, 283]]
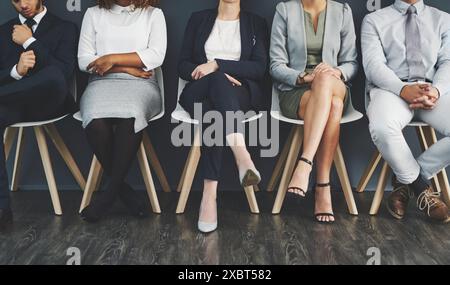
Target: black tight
[[115, 145]]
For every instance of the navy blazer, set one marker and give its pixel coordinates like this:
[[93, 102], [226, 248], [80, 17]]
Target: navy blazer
[[56, 44], [252, 67]]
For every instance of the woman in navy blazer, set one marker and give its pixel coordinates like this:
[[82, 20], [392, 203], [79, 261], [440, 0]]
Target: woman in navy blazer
[[224, 58]]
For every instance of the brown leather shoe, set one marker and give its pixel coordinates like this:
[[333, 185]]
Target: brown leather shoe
[[430, 203], [398, 200]]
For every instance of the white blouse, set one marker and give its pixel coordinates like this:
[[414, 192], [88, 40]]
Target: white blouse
[[224, 42], [123, 30]]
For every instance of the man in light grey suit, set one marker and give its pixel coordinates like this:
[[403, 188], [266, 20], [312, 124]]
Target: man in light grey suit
[[406, 57]]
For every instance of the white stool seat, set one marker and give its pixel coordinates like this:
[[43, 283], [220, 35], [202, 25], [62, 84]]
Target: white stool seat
[[35, 124], [351, 114]]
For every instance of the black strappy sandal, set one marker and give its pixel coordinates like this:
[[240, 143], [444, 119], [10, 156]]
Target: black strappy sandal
[[303, 191], [316, 216]]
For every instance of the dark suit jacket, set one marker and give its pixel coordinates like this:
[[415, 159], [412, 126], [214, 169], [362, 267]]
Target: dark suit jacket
[[251, 70], [56, 44]]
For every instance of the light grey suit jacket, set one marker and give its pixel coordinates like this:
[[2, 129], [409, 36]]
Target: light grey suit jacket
[[288, 51]]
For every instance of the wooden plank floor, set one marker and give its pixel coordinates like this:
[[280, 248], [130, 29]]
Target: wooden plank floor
[[38, 237]]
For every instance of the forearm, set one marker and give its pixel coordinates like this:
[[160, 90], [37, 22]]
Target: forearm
[[127, 60], [118, 69]]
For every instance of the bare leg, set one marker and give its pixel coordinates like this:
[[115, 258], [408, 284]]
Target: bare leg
[[208, 207], [243, 159], [315, 109], [325, 155]]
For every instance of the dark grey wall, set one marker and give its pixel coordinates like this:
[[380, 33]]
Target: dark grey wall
[[356, 142]]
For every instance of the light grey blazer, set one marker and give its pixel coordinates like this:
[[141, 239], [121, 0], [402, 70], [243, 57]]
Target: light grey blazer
[[288, 51]]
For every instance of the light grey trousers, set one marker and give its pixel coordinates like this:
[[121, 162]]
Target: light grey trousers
[[388, 115]]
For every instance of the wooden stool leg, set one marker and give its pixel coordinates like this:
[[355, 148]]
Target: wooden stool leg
[[65, 154], [280, 163], [185, 169], [291, 160], [154, 162], [345, 181], [10, 135], [148, 179], [48, 169], [191, 168], [18, 160], [369, 172], [382, 181], [93, 181], [253, 204]]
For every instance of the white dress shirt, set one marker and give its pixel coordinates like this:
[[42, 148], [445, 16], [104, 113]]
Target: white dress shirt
[[14, 74], [123, 30], [384, 46], [224, 41]]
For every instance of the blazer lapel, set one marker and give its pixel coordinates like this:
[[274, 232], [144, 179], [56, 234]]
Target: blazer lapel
[[299, 35], [44, 25], [327, 47], [248, 38], [206, 31]]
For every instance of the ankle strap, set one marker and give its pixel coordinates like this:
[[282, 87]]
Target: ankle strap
[[323, 185], [306, 160]]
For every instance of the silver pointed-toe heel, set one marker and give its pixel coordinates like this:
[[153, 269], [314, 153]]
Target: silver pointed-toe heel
[[207, 227]]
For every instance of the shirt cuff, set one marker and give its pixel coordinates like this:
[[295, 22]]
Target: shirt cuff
[[14, 74], [28, 42]]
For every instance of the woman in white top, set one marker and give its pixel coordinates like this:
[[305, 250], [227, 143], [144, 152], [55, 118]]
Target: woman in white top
[[224, 58], [121, 43]]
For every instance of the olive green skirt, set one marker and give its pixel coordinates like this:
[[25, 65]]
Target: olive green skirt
[[290, 100]]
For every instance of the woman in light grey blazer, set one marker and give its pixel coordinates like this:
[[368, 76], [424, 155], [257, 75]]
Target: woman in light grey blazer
[[313, 54]]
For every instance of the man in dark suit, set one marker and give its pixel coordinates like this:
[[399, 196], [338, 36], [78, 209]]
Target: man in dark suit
[[37, 61]]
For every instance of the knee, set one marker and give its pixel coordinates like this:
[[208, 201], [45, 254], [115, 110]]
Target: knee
[[322, 80]]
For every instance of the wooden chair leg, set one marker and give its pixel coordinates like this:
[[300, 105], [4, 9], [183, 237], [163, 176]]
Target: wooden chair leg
[[345, 181], [148, 179], [48, 169], [294, 149], [369, 172], [155, 163], [252, 202], [188, 178], [65, 154], [256, 188], [425, 136], [93, 181], [10, 135], [280, 163], [185, 169], [18, 160], [381, 186]]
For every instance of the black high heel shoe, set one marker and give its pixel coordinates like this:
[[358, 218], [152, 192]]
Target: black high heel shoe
[[317, 215], [303, 191]]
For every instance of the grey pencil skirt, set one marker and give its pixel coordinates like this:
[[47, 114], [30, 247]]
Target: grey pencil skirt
[[120, 95]]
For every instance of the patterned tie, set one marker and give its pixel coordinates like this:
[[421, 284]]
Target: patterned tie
[[30, 23], [414, 46]]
